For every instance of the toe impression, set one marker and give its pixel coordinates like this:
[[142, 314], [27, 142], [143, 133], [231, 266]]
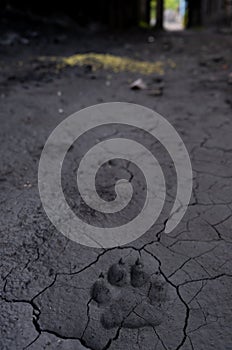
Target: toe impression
[[100, 291], [117, 274], [138, 276]]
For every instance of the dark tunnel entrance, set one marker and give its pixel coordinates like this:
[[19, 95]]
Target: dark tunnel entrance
[[118, 14]]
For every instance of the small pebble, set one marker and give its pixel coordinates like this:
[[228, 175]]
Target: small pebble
[[138, 84], [230, 78], [151, 39]]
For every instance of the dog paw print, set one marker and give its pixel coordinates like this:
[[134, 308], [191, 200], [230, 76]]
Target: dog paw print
[[129, 297]]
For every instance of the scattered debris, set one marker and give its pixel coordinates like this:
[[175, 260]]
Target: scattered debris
[[230, 78], [156, 92], [9, 39], [60, 39], [88, 68], [171, 63], [24, 41], [157, 79], [210, 59], [167, 45], [229, 101], [217, 58], [27, 185], [33, 34], [138, 85], [225, 30], [151, 39], [12, 38], [128, 46]]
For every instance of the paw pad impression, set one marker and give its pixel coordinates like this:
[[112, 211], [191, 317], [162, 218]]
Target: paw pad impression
[[129, 296]]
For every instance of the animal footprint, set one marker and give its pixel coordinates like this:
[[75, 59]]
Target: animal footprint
[[129, 296]]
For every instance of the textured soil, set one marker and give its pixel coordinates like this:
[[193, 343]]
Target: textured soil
[[47, 298]]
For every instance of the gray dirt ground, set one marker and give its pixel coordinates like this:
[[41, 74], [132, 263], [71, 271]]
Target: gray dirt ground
[[46, 280]]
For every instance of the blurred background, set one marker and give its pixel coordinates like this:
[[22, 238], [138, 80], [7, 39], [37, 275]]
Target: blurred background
[[172, 14]]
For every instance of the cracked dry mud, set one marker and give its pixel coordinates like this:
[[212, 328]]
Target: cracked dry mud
[[51, 294]]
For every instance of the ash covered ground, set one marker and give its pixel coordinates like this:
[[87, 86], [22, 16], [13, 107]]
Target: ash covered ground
[[168, 291]]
